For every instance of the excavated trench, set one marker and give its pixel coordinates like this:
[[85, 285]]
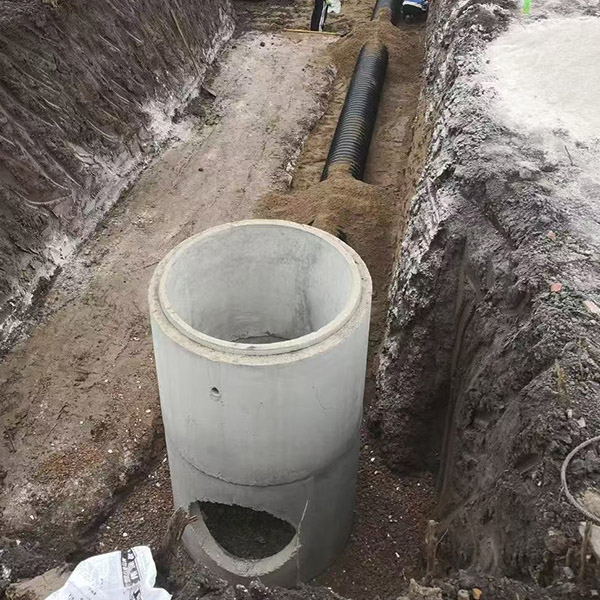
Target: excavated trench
[[469, 389], [384, 550]]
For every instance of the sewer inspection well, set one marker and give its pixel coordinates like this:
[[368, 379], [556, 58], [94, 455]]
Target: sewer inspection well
[[260, 333]]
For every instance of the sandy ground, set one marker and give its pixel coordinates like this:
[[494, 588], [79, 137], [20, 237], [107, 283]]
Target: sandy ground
[[79, 412], [88, 367]]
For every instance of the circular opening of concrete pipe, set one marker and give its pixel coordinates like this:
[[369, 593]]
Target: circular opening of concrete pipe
[[245, 532], [240, 543], [260, 287]]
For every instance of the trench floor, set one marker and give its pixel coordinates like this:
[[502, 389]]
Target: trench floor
[[83, 447]]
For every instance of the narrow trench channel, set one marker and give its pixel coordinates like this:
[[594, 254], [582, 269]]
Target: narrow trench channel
[[386, 546]]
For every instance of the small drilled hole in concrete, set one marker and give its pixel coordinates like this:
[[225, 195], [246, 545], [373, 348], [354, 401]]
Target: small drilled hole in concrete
[[215, 393], [244, 532]]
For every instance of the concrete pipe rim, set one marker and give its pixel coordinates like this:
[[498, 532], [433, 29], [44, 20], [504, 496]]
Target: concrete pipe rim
[[357, 269]]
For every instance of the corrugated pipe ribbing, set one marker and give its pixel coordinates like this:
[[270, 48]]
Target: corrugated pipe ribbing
[[350, 144], [393, 6]]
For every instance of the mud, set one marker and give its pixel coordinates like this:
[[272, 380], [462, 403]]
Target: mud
[[386, 546], [488, 365], [87, 368], [489, 372], [85, 91], [202, 584]]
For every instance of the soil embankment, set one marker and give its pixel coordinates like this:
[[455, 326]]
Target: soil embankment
[[87, 92], [490, 365], [87, 368], [79, 410], [483, 220]]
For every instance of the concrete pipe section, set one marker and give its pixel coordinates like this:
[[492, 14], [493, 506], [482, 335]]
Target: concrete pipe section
[[260, 334]]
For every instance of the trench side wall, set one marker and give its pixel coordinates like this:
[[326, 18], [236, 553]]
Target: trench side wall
[[87, 89], [467, 383]]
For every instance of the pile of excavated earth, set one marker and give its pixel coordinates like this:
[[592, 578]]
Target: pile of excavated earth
[[127, 127]]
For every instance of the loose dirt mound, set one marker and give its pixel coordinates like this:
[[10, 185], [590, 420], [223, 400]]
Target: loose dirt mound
[[358, 213]]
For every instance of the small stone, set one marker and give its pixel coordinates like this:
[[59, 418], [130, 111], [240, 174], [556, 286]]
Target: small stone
[[581, 422], [592, 307], [592, 462], [556, 542], [591, 501], [568, 572], [551, 235], [594, 593], [556, 287], [125, 534], [423, 593], [578, 467], [569, 413], [262, 44], [41, 586], [477, 593], [463, 595]]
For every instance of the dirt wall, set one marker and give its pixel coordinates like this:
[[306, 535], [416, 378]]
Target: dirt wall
[[490, 369], [87, 89]]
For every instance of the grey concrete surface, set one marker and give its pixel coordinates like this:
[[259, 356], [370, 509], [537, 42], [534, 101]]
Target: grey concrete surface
[[271, 426]]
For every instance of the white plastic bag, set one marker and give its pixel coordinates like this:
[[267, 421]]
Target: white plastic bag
[[122, 575]]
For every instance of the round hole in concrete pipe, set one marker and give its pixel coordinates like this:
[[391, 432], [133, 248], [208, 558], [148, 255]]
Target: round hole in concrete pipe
[[245, 532]]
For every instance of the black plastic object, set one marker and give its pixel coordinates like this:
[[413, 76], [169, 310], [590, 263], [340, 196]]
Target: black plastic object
[[350, 144], [383, 5], [394, 6]]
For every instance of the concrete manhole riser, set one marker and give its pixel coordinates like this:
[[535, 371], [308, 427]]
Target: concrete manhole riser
[[260, 333]]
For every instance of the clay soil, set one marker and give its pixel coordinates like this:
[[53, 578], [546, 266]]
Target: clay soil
[[86, 468]]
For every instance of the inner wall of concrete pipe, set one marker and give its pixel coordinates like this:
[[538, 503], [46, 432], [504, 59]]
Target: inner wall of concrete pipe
[[260, 332]]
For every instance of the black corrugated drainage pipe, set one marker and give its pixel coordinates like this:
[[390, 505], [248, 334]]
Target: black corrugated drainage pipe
[[392, 7], [350, 144]]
